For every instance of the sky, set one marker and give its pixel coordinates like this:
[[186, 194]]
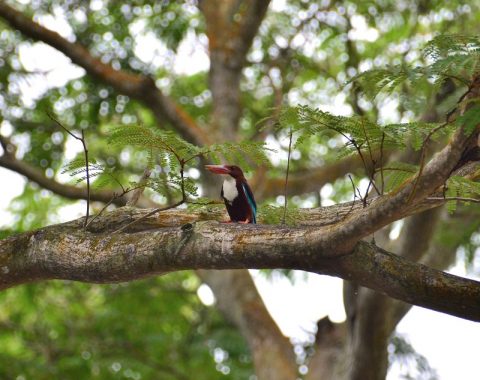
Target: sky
[[450, 344]]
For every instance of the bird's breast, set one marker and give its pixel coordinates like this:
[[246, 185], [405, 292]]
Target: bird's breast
[[230, 191]]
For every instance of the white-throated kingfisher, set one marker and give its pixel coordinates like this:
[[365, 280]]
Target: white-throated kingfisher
[[236, 193]]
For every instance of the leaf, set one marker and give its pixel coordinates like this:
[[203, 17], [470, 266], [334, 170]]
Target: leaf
[[398, 173], [470, 119]]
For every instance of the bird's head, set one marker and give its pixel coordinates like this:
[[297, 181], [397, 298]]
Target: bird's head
[[231, 170]]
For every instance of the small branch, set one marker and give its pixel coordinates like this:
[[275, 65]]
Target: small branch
[[355, 191], [381, 163], [286, 177], [85, 152], [461, 199], [368, 147], [115, 197], [153, 212], [429, 136], [4, 142]]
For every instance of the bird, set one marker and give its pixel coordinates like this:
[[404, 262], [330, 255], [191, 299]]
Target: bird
[[236, 194]]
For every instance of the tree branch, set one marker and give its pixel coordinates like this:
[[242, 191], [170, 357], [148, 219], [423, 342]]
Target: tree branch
[[136, 86], [388, 207], [231, 26], [68, 191], [103, 257]]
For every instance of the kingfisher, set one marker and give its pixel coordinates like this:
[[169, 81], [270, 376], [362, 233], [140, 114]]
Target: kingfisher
[[236, 194]]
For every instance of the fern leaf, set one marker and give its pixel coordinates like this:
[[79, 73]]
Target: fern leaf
[[398, 173]]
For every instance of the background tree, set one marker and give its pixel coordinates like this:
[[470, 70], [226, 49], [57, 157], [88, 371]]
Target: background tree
[[261, 57]]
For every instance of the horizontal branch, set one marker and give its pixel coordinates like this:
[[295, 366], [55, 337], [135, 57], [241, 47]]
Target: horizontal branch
[[68, 191], [65, 252], [136, 86]]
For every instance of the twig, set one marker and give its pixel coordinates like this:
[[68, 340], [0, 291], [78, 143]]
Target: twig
[[160, 209], [115, 196], [462, 199], [286, 176], [355, 191], [372, 175], [381, 162], [427, 140], [85, 152]]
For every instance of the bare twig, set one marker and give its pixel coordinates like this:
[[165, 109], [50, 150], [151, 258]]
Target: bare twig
[[115, 196], [357, 191], [381, 162], [461, 199], [85, 152], [286, 176], [153, 212], [184, 199], [427, 140]]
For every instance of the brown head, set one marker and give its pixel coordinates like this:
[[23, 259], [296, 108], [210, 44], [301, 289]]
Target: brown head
[[231, 170]]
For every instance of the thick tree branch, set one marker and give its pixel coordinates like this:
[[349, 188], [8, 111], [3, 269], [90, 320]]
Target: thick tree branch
[[136, 86], [66, 252], [388, 207], [231, 26]]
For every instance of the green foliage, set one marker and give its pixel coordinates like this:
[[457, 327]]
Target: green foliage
[[453, 56], [359, 133], [398, 173], [172, 153], [461, 187], [469, 120], [78, 331]]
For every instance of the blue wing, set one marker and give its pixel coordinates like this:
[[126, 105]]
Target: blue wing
[[251, 200]]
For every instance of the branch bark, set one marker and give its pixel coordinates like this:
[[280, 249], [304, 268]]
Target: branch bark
[[231, 26], [103, 257], [68, 191]]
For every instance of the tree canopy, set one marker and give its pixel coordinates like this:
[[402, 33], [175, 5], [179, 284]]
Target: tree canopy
[[352, 120]]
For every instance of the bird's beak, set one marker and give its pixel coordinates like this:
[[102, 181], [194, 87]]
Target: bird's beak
[[218, 169]]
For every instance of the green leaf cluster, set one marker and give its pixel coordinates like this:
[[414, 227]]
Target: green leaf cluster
[[461, 187], [175, 156], [446, 56]]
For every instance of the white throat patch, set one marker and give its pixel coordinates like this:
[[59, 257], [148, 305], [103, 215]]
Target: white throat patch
[[230, 191]]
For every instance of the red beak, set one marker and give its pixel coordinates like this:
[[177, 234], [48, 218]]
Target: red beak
[[218, 169]]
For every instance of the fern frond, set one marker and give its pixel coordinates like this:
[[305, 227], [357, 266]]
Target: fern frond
[[451, 56], [451, 44], [147, 138], [398, 173], [244, 154], [470, 119]]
